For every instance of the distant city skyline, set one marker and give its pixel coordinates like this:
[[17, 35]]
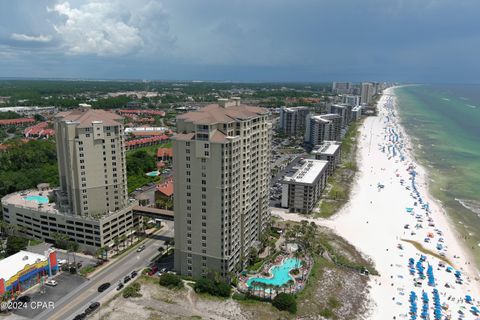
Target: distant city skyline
[[433, 41]]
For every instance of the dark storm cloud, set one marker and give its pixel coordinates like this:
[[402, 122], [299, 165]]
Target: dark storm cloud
[[244, 40]]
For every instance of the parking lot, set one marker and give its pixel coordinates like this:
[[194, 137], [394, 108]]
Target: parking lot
[[275, 184], [66, 282]]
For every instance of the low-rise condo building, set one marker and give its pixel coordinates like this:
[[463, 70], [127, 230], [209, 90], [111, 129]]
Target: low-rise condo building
[[329, 151], [302, 186]]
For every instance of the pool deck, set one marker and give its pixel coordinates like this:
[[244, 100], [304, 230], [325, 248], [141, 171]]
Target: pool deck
[[17, 199], [299, 282]]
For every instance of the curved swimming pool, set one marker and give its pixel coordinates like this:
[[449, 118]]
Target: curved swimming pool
[[37, 199], [280, 274]]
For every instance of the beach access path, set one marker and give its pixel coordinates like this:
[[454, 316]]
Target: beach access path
[[384, 210]]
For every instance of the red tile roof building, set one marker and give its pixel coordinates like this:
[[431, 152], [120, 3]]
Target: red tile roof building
[[166, 188], [164, 154], [128, 112], [39, 131], [145, 142], [19, 121]]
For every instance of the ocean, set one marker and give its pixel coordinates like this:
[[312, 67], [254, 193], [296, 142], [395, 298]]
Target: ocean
[[443, 122]]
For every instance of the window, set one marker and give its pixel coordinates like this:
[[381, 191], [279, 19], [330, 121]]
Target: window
[[207, 154], [206, 145]]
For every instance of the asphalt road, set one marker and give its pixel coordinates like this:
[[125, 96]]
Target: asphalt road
[[81, 297]]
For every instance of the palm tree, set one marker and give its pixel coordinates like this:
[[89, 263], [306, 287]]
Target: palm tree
[[290, 283], [116, 241], [270, 289]]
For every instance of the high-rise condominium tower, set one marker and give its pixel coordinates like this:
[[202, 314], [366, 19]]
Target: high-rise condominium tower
[[221, 159], [91, 161]]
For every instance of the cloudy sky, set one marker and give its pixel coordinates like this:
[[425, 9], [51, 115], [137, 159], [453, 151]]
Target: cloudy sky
[[242, 40]]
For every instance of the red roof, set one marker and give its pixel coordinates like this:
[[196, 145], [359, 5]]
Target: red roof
[[16, 121], [164, 152], [147, 133], [166, 187], [39, 130], [145, 140], [140, 111]]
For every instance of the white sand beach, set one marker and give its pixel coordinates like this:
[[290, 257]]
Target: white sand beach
[[390, 203]]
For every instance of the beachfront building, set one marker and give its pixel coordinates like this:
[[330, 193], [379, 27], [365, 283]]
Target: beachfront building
[[221, 162], [319, 128], [368, 90], [302, 186], [342, 87], [91, 205], [351, 100], [329, 151], [24, 269], [342, 110], [356, 113], [292, 120]]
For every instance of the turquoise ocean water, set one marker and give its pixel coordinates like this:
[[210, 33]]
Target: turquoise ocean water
[[443, 123]]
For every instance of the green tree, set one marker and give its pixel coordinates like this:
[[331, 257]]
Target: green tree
[[171, 281], [15, 244], [285, 301]]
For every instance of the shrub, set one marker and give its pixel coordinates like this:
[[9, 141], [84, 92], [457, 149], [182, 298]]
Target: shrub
[[285, 301], [171, 281], [326, 313], [215, 288], [295, 271], [132, 291]]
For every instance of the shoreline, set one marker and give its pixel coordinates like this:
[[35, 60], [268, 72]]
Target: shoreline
[[376, 220], [427, 182]]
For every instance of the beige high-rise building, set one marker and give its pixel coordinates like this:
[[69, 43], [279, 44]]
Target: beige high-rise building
[[91, 161], [91, 205], [221, 157]]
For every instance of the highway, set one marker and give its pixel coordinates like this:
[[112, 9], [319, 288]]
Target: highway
[[81, 297]]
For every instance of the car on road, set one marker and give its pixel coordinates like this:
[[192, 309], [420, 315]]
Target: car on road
[[141, 248], [134, 273], [80, 316], [104, 287], [126, 279], [91, 308], [51, 283], [24, 299]]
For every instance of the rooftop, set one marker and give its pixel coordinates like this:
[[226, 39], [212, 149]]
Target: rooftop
[[166, 188], [308, 172], [19, 199], [327, 148], [86, 116], [15, 263], [222, 113]]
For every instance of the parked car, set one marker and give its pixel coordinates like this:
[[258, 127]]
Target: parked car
[[104, 287], [134, 273], [62, 261], [153, 271], [120, 286], [24, 299], [80, 316], [51, 283], [126, 279], [91, 308]]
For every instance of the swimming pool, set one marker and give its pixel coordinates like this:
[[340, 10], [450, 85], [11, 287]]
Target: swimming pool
[[280, 274], [37, 199], [153, 173]]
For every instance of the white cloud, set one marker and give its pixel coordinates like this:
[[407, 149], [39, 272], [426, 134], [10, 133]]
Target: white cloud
[[110, 27], [24, 37]]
